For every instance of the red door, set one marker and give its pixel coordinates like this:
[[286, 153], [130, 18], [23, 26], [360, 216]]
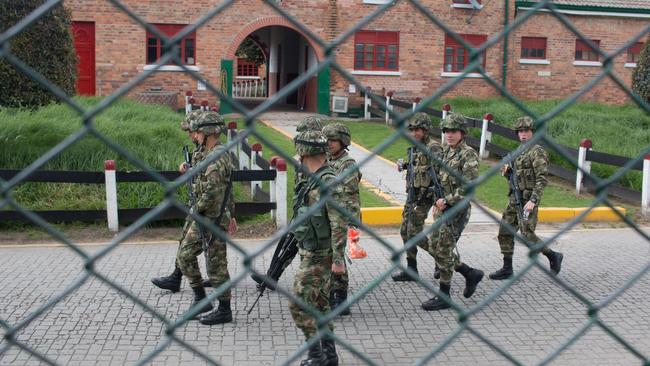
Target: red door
[[84, 42]]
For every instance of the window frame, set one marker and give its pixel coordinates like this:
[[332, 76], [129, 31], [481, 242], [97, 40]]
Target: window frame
[[636, 55], [376, 39], [473, 39], [533, 44], [170, 30], [581, 46]]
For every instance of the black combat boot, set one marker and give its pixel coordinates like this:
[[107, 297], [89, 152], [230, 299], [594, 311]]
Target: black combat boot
[[436, 273], [338, 297], [199, 294], [472, 277], [315, 357], [405, 277], [207, 283], [223, 314], [505, 272], [437, 303], [555, 260], [171, 282], [329, 350]]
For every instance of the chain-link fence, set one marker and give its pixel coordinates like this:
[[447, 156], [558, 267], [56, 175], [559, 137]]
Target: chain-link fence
[[170, 333]]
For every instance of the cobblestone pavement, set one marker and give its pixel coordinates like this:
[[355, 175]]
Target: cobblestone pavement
[[97, 325]]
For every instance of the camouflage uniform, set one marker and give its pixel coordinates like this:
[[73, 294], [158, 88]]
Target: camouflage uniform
[[464, 161], [344, 163], [532, 168], [173, 281], [321, 238], [212, 186], [422, 202]]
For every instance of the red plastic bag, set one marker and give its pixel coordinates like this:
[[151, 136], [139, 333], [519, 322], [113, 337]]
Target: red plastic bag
[[355, 251]]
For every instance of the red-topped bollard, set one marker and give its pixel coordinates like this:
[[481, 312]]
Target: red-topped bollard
[[256, 154], [584, 165], [645, 187], [281, 193], [111, 195], [486, 136]]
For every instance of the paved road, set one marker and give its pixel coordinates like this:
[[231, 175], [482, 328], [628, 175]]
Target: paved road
[[97, 325], [378, 172]]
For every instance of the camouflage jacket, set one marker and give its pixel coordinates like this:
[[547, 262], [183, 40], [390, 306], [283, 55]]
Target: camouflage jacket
[[345, 163], [211, 186], [197, 156], [422, 162], [463, 160], [532, 168], [324, 232]]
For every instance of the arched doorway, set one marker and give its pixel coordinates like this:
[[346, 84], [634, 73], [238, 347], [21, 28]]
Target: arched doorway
[[288, 54]]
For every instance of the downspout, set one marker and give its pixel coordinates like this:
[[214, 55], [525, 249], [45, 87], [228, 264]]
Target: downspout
[[505, 45]]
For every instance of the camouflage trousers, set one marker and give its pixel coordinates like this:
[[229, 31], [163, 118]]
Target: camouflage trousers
[[443, 243], [192, 246], [341, 281], [411, 228], [527, 229], [312, 285]]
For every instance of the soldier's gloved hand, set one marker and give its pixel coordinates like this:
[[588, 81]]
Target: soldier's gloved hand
[[530, 205], [232, 228], [338, 268], [183, 167]]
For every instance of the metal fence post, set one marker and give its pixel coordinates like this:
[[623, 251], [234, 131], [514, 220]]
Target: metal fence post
[[111, 195], [256, 152], [486, 136], [188, 104], [272, 185], [645, 187], [281, 193], [583, 163]]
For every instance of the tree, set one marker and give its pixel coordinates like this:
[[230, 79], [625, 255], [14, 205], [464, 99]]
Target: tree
[[641, 76], [249, 50], [46, 46]]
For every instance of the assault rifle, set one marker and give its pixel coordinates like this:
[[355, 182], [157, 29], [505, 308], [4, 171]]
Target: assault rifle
[[513, 181], [286, 249]]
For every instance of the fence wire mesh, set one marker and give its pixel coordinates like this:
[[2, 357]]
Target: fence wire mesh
[[12, 330]]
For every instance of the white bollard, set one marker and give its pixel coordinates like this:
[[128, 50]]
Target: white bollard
[[205, 106], [446, 108], [111, 195], [256, 151], [645, 187], [234, 151], [272, 185], [389, 95], [416, 102], [243, 158], [188, 104], [367, 103], [583, 163], [281, 193], [486, 136]]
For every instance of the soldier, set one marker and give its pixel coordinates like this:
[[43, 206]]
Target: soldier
[[215, 202], [309, 123], [173, 281], [338, 140], [321, 238], [532, 167], [460, 157], [420, 129]]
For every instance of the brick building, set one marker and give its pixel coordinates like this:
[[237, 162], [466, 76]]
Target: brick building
[[401, 50]]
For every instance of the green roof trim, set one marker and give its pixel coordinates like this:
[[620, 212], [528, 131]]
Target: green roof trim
[[610, 9]]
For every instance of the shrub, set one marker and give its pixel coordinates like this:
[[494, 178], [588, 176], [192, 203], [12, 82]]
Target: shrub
[[641, 76]]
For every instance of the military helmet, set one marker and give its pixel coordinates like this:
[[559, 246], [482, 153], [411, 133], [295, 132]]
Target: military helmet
[[524, 123], [337, 131], [454, 121], [208, 123], [420, 120], [310, 143], [185, 125], [310, 123]]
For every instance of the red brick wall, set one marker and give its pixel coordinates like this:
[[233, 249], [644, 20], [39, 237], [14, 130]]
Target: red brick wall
[[120, 48]]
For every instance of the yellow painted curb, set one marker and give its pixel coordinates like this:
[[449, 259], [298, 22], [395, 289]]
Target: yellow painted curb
[[381, 215]]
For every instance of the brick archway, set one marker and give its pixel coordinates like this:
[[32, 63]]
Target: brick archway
[[268, 22]]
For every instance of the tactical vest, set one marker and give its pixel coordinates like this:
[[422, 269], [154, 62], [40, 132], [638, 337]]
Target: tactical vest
[[421, 164], [201, 182], [337, 165], [526, 170], [314, 233]]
